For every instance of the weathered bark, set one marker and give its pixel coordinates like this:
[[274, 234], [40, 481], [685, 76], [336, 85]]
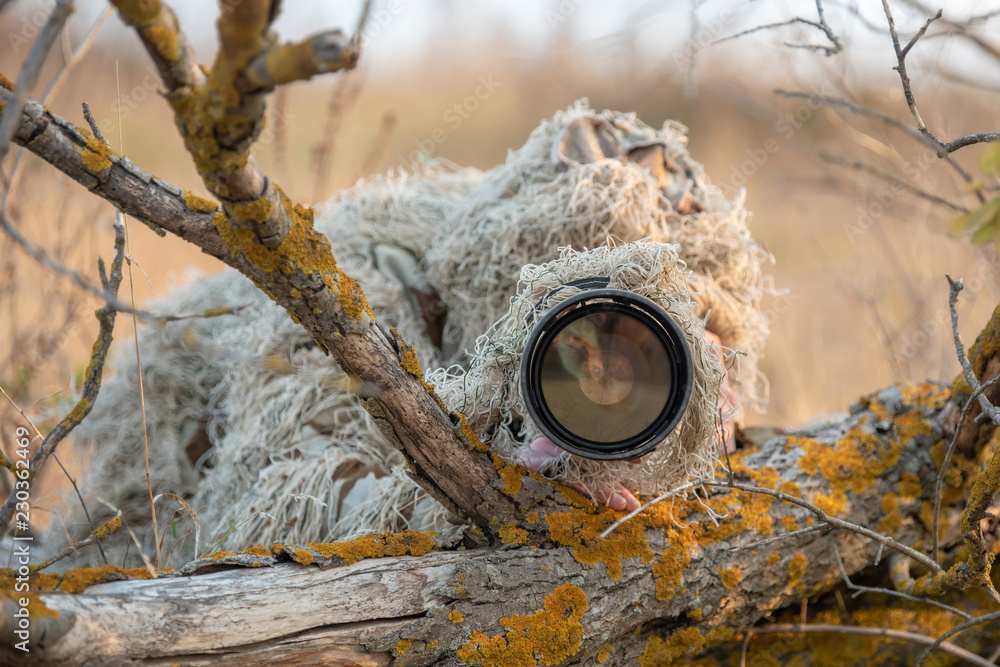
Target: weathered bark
[[668, 584]]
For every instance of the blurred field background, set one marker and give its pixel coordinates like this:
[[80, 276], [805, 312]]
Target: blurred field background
[[862, 265]]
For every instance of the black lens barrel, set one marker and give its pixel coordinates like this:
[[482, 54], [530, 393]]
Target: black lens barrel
[[606, 374]]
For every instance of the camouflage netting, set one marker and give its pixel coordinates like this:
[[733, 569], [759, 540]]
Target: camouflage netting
[[262, 432]]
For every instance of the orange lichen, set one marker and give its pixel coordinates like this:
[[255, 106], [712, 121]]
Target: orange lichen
[[455, 616], [511, 534], [352, 298], [553, 633], [773, 558], [6, 83], [581, 531], [792, 489], [36, 607], [929, 395], [834, 504], [256, 551], [696, 614], [109, 528], [199, 204], [910, 486], [669, 568], [531, 518], [303, 556], [77, 414], [686, 642], [892, 520], [165, 41], [95, 155], [378, 545], [765, 524], [731, 577], [433, 644], [510, 474], [219, 555], [469, 435], [255, 211], [789, 522], [797, 568], [402, 645], [602, 655], [303, 249], [138, 12], [75, 581]]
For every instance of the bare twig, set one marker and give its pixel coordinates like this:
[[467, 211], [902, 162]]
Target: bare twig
[[343, 96], [47, 36], [108, 528], [784, 497], [56, 84], [153, 572], [956, 286], [892, 180], [888, 633], [92, 383], [940, 641], [962, 28], [943, 148], [858, 109], [783, 536], [39, 436], [901, 68], [194, 518], [858, 590], [634, 513], [939, 483], [819, 24]]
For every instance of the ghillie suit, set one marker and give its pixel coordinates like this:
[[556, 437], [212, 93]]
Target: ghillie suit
[[262, 432]]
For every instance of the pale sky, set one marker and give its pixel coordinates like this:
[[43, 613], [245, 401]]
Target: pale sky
[[401, 30]]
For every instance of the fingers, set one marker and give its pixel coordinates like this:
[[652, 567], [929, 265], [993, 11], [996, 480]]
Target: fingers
[[618, 499], [540, 451], [543, 449], [727, 398]]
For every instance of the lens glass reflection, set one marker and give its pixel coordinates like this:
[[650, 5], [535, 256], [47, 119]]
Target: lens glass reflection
[[605, 376]]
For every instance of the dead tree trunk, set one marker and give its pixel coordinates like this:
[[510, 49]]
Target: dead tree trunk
[[668, 584]]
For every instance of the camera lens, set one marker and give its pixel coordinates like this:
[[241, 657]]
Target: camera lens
[[606, 374]]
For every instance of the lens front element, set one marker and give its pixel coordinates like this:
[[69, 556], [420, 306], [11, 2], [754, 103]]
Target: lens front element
[[606, 374]]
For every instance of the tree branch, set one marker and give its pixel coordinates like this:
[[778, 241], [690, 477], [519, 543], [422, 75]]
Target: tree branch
[[29, 72], [888, 633], [92, 379], [303, 277]]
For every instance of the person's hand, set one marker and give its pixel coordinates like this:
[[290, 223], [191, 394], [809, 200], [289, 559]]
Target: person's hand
[[543, 450], [727, 399]]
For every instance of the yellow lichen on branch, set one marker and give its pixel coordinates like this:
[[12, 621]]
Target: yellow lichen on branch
[[378, 545], [553, 633], [731, 577], [199, 204], [511, 534], [109, 528], [95, 155], [71, 581], [685, 642]]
